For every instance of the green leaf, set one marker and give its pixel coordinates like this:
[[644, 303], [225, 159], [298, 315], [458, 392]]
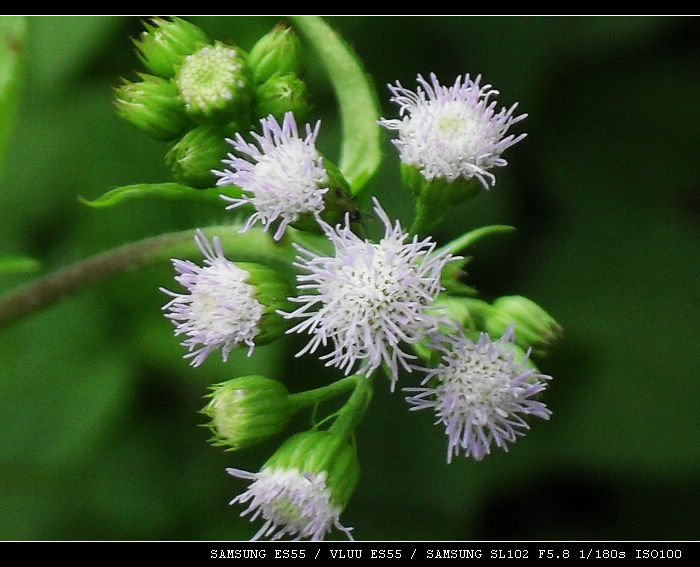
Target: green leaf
[[359, 109], [12, 31], [18, 264], [169, 192], [468, 238]]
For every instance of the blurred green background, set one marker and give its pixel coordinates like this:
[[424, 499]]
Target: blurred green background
[[100, 435]]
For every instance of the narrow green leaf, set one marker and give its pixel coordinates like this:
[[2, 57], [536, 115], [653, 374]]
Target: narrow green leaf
[[18, 265], [12, 31], [359, 109], [169, 192], [469, 238]]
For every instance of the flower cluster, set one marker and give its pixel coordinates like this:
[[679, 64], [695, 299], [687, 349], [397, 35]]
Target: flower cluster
[[388, 305]]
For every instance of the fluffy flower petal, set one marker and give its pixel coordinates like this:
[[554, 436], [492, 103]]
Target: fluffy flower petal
[[282, 175], [452, 132]]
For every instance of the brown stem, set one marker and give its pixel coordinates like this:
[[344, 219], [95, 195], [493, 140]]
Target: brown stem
[[253, 246]]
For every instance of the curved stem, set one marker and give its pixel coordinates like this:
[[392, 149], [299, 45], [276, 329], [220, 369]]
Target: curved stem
[[317, 395], [350, 415], [252, 246]]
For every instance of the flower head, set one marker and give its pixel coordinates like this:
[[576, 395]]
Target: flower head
[[452, 132], [290, 502], [303, 487], [214, 83], [282, 176], [479, 393], [368, 298], [220, 310]]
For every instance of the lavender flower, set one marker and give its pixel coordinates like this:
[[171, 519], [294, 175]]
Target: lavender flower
[[369, 298], [452, 132], [290, 502], [479, 393], [283, 175], [220, 309]]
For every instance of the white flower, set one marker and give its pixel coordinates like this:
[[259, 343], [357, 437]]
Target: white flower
[[452, 132], [369, 298], [479, 393], [282, 177], [220, 310], [290, 503]]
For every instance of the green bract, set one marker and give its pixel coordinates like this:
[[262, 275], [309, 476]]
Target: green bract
[[272, 291], [316, 452]]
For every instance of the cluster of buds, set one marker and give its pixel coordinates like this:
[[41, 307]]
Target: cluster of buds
[[393, 305], [196, 92]]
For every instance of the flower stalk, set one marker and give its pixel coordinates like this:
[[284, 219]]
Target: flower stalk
[[32, 297]]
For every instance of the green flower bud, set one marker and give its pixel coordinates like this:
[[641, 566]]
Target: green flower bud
[[193, 157], [321, 452], [153, 105], [534, 327], [275, 52], [165, 43], [280, 94], [247, 411], [215, 84]]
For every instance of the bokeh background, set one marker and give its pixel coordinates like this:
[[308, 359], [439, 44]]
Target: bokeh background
[[100, 435]]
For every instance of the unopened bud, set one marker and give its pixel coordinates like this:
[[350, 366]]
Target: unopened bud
[[248, 410], [165, 43], [193, 157], [153, 105], [281, 94], [277, 52], [533, 326]]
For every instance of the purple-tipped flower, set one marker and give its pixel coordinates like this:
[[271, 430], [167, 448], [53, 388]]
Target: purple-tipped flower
[[290, 503], [220, 309], [452, 132], [282, 176], [479, 393], [369, 298]]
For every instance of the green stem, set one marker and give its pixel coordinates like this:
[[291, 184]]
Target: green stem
[[354, 410], [252, 246], [427, 217], [318, 395]]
